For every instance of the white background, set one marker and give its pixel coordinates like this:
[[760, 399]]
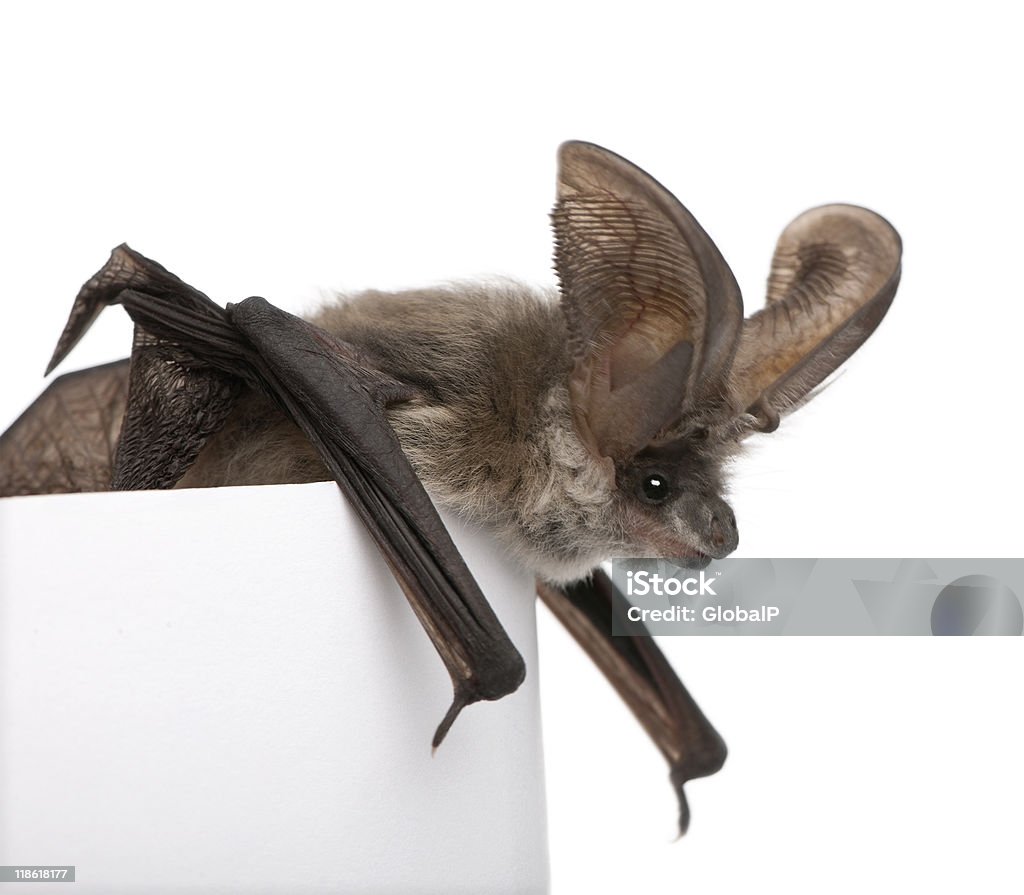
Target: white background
[[254, 149]]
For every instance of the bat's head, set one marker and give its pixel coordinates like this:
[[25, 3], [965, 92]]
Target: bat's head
[[667, 377]]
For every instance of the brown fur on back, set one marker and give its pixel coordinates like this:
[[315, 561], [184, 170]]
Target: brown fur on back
[[489, 429], [489, 432], [477, 369]]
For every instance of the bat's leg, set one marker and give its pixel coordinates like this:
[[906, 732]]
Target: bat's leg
[[642, 676], [339, 399]]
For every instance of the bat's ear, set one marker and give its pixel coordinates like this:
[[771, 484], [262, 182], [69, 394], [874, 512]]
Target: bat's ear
[[834, 275], [653, 310]]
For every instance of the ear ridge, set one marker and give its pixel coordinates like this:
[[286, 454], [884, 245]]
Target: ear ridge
[[639, 276], [834, 275]]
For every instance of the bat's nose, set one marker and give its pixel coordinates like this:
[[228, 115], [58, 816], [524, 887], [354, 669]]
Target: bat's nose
[[722, 534]]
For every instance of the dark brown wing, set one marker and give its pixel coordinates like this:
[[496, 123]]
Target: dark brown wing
[[191, 359], [137, 425], [642, 676], [66, 440], [339, 400]]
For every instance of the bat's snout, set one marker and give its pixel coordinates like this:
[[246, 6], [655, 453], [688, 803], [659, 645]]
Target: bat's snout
[[701, 528], [710, 523], [722, 534]]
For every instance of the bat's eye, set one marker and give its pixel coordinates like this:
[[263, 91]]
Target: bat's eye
[[654, 487]]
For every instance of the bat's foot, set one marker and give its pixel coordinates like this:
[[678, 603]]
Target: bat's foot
[[501, 675], [684, 809], [700, 762], [458, 704]]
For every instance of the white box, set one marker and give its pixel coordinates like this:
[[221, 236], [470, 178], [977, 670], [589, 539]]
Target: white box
[[225, 690]]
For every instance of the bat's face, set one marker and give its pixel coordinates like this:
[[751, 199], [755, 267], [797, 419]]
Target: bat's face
[[671, 499], [562, 507], [666, 375]]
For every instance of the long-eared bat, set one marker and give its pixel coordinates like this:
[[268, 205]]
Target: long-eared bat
[[577, 426]]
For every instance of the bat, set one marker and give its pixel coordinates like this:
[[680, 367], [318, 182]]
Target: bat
[[591, 422]]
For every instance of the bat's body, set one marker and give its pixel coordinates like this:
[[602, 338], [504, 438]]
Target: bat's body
[[487, 428], [577, 426]]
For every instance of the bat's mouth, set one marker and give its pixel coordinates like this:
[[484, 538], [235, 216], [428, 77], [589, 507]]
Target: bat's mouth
[[679, 550], [682, 547], [699, 561]]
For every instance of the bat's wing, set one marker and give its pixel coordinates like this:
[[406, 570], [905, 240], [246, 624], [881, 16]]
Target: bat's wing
[[190, 360], [137, 425], [339, 401], [66, 440], [642, 676]]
